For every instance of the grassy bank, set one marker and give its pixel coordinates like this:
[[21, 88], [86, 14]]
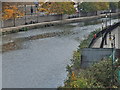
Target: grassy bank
[[97, 76], [76, 60]]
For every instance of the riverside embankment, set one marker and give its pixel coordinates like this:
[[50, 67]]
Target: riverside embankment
[[41, 62], [52, 23], [94, 67], [99, 41]]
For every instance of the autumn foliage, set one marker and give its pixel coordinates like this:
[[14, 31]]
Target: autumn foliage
[[11, 11]]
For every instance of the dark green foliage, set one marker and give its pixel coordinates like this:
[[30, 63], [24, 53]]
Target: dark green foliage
[[93, 6], [23, 29], [113, 5]]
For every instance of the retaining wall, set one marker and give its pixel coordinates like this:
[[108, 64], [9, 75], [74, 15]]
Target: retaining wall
[[30, 18], [51, 23], [90, 56]]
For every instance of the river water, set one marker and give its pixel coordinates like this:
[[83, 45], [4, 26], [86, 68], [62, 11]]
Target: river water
[[41, 63]]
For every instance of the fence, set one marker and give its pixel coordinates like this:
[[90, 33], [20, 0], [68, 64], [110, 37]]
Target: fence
[[108, 30], [105, 32]]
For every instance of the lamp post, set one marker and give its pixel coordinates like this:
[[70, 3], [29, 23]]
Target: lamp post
[[31, 14], [37, 14], [25, 14], [110, 25], [113, 58], [106, 27], [36, 5], [14, 19], [31, 9], [112, 77], [106, 19], [110, 17], [102, 29], [78, 8]]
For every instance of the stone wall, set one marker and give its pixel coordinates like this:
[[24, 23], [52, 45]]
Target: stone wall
[[90, 56], [32, 19], [93, 55]]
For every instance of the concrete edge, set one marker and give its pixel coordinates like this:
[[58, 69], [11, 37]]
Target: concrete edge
[[47, 24]]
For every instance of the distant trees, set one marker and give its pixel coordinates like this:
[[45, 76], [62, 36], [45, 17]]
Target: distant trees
[[11, 11], [113, 5], [119, 4], [86, 7], [59, 7], [93, 6]]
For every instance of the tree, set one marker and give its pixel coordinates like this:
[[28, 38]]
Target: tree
[[119, 4], [88, 7], [59, 7], [93, 6], [11, 11], [102, 5], [99, 75], [113, 5]]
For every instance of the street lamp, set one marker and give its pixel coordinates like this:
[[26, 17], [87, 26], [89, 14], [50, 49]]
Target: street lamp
[[106, 27], [110, 17], [14, 19], [25, 14], [31, 14], [110, 25], [31, 9], [113, 57], [36, 5], [78, 7], [102, 29], [106, 19]]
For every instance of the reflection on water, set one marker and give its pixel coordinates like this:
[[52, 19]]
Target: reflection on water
[[41, 62]]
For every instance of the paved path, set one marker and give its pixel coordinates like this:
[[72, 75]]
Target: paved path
[[97, 43], [115, 32]]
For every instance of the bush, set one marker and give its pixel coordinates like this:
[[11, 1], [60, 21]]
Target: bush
[[99, 75]]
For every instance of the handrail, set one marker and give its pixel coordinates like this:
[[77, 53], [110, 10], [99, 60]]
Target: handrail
[[106, 31]]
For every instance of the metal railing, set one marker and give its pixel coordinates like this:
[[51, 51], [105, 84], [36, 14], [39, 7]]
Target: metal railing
[[105, 32]]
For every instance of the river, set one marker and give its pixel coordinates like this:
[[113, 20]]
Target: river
[[41, 63]]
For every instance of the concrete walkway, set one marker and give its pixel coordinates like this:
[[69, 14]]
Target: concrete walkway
[[97, 43], [115, 42]]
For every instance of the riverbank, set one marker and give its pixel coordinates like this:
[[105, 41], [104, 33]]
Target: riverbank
[[76, 60], [28, 62], [97, 75], [48, 24]]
